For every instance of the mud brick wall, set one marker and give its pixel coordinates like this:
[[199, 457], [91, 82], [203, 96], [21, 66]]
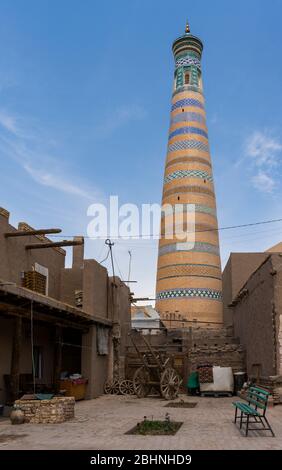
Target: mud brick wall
[[192, 347], [231, 355], [217, 347], [54, 411], [256, 315]]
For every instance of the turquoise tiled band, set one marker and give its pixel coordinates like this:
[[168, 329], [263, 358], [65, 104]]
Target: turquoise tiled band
[[192, 293], [188, 174], [188, 144], [184, 208], [189, 246], [186, 61]]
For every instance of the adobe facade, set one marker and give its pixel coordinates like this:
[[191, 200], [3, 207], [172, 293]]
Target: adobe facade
[[80, 305], [256, 312], [237, 271]]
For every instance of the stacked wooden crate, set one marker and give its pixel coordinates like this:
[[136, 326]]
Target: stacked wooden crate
[[34, 281]]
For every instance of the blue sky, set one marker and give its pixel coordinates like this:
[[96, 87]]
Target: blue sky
[[85, 91]]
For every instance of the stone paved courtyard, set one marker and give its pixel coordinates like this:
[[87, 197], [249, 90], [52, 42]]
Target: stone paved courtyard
[[102, 423]]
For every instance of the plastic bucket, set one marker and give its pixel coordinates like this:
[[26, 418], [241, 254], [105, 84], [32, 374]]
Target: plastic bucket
[[239, 380]]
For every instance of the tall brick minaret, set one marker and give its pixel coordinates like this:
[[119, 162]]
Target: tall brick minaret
[[189, 280]]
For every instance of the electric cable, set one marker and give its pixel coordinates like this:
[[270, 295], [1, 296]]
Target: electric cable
[[230, 227]]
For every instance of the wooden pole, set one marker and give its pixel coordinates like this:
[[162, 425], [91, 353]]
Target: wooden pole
[[58, 358], [39, 246], [151, 351], [27, 233], [15, 362]]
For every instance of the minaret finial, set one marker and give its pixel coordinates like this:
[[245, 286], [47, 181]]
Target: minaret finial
[[187, 29]]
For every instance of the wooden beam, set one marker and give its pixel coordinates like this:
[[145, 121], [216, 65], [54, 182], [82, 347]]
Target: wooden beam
[[141, 298], [12, 294], [15, 362], [7, 310], [27, 233], [39, 246], [57, 358]]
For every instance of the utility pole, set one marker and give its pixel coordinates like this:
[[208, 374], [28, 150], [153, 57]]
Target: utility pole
[[110, 245], [129, 267]]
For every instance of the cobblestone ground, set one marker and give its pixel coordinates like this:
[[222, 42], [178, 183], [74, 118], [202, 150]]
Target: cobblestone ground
[[102, 423]]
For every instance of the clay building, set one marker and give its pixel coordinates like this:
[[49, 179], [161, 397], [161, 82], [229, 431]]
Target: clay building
[[59, 319], [252, 293]]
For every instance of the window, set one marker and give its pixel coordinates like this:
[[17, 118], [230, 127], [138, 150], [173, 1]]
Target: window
[[102, 341], [187, 78]]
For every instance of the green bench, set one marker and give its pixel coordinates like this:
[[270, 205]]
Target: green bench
[[253, 410]]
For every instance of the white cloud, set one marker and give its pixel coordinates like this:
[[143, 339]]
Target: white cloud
[[263, 182], [54, 181], [24, 142], [120, 117], [8, 122], [264, 150]]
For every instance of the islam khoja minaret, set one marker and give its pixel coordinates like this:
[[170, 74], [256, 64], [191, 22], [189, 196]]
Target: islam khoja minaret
[[189, 281]]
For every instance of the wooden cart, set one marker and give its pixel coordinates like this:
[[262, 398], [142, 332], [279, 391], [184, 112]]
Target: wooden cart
[[155, 373]]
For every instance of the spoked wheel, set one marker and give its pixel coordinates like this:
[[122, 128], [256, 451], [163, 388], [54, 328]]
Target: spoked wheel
[[111, 387], [108, 387], [126, 387], [170, 383], [115, 389], [141, 380]]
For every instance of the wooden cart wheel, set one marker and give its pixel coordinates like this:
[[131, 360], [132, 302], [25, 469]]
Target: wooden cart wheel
[[115, 387], [111, 387], [170, 383], [108, 387], [141, 380], [126, 387]]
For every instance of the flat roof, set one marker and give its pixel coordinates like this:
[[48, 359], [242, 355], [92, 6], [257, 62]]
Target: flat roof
[[11, 301]]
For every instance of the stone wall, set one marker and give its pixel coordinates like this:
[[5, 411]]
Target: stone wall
[[54, 411]]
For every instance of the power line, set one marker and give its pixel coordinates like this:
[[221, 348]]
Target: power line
[[110, 245], [121, 276], [105, 259], [230, 227], [252, 233], [129, 265]]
